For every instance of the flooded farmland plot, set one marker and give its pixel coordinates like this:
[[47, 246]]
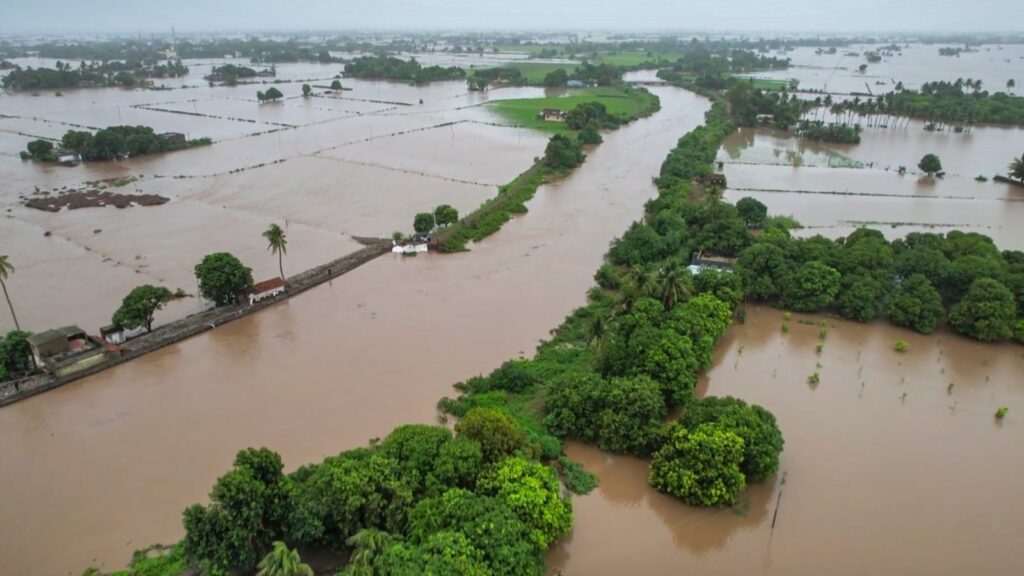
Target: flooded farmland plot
[[893, 464]]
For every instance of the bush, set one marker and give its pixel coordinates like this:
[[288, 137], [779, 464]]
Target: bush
[[900, 346], [512, 376], [1001, 413], [702, 466], [497, 433], [589, 135], [575, 477], [563, 153]]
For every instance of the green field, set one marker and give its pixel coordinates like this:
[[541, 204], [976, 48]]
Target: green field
[[633, 58], [622, 102], [536, 71], [766, 84]]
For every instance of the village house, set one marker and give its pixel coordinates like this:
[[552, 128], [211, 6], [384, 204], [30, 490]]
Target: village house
[[701, 261], [552, 115], [66, 157], [267, 289], [175, 138], [113, 333], [576, 84], [715, 180], [66, 350]]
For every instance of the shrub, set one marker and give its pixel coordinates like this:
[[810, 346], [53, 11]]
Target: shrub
[[1001, 412], [575, 477], [497, 433], [814, 378], [900, 346]]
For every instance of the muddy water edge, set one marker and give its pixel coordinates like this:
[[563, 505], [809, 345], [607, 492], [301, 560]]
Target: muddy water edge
[[106, 465]]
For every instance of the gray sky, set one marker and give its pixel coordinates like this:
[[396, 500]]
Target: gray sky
[[33, 16]]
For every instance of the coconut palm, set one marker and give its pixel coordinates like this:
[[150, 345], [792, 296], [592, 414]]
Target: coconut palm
[[367, 544], [277, 243], [1016, 172], [283, 562], [1011, 84], [672, 281], [6, 269]]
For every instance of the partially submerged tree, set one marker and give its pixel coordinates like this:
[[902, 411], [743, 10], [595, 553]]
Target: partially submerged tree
[[700, 466], [1017, 169], [139, 306], [306, 90], [930, 164], [445, 215], [423, 223]]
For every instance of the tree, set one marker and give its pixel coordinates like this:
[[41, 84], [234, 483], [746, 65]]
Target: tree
[[445, 215], [273, 93], [986, 313], [283, 562], [811, 287], [762, 439], [367, 545], [139, 306], [700, 466], [15, 354], [859, 296], [556, 78], [675, 285], [915, 304], [40, 149], [497, 434], [1011, 84], [423, 223], [763, 269], [277, 243], [306, 90], [223, 278], [590, 135], [336, 85], [77, 140], [752, 211], [930, 164], [6, 269], [1017, 169], [563, 153], [533, 492]]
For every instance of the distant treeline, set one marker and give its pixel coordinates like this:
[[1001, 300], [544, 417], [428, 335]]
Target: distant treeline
[[959, 104], [391, 68], [112, 143], [94, 74]]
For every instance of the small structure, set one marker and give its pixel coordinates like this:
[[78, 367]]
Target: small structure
[[576, 84], [66, 350], [267, 289], [717, 180], [113, 334], [765, 118], [175, 138], [418, 243], [552, 115], [66, 157], [701, 261]]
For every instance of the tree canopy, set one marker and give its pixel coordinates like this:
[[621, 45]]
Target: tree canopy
[[700, 466], [139, 306], [222, 278]]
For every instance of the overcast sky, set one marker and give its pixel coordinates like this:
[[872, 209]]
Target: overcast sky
[[33, 16]]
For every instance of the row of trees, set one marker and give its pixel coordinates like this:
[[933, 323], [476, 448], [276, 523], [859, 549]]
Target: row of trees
[[443, 215], [391, 68]]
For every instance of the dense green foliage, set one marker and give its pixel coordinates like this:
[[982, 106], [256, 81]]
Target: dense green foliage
[[391, 68], [222, 278], [593, 114], [15, 355], [563, 153], [445, 215], [956, 104], [821, 132], [987, 312], [930, 164], [117, 142], [94, 74], [272, 94], [762, 440], [138, 307], [423, 222], [700, 466], [915, 304]]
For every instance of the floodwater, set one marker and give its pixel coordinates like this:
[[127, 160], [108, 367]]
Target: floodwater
[[312, 376], [916, 64], [885, 470], [326, 168], [813, 182]]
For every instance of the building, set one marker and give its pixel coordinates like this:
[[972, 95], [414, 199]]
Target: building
[[66, 157], [765, 118], [576, 84], [267, 289], [717, 180], [113, 334], [66, 350], [701, 261], [175, 138], [552, 115]]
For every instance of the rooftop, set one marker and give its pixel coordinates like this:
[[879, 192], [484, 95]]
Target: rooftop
[[267, 285], [62, 333]]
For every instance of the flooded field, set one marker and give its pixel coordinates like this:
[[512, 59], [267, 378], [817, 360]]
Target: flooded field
[[328, 167], [885, 470], [815, 183], [914, 65], [149, 437]]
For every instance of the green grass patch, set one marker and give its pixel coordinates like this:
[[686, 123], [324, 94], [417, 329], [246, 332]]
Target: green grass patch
[[626, 103], [575, 477], [769, 84]]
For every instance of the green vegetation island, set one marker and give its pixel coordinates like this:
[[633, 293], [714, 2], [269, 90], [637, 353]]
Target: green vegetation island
[[108, 144], [392, 68], [90, 75]]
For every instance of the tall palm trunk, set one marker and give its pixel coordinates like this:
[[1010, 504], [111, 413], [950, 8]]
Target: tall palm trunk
[[280, 264], [11, 306]]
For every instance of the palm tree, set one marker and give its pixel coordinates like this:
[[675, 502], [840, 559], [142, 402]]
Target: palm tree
[[283, 562], [639, 282], [1011, 84], [674, 288], [277, 243], [1016, 171], [368, 543], [6, 269]]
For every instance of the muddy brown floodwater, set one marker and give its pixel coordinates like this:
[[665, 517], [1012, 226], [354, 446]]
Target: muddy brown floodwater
[[105, 465], [886, 470]]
